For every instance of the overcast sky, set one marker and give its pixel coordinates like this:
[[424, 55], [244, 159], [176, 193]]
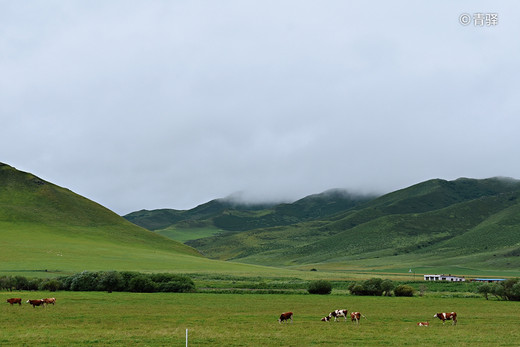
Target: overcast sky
[[169, 104]]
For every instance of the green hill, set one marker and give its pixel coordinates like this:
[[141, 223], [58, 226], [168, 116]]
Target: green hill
[[465, 222], [227, 215], [47, 228]]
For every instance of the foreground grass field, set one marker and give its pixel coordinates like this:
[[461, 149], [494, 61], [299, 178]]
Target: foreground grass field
[[91, 319]]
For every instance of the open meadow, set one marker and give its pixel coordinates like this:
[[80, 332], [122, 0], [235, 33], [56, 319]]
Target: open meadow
[[161, 319]]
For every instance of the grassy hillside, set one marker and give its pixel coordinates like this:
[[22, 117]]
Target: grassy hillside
[[472, 223], [227, 215], [47, 227]]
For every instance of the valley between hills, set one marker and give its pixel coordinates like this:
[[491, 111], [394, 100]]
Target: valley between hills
[[466, 226]]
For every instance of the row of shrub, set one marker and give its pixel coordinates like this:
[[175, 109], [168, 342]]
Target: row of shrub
[[373, 286], [505, 290], [22, 283], [124, 281]]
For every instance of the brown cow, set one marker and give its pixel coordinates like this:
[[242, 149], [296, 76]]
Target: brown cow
[[15, 301], [423, 324], [49, 301], [356, 316], [444, 316], [285, 317], [38, 302]]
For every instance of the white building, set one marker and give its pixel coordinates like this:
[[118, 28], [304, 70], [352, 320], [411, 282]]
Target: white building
[[443, 277]]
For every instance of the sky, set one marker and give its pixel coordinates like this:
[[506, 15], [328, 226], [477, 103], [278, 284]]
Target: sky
[[169, 104]]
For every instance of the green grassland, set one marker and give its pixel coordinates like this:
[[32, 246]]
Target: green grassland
[[186, 234], [92, 319]]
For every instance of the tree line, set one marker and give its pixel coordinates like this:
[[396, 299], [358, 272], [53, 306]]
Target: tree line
[[109, 281], [504, 290]]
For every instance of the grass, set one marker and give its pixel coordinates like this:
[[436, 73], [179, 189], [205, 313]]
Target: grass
[[85, 318], [30, 249], [187, 234]]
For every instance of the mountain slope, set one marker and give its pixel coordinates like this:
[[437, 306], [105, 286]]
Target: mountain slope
[[47, 227], [228, 215], [435, 218]]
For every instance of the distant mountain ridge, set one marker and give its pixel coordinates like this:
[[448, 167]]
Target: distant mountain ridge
[[230, 215], [473, 221]]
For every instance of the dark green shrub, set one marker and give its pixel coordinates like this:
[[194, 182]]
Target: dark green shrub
[[404, 290], [387, 286], [33, 283], [20, 283], [7, 283], [65, 282], [484, 289], [498, 290], [506, 290], [142, 284], [373, 286], [515, 291], [84, 281], [50, 285], [511, 289], [356, 289], [320, 287], [126, 277], [110, 281]]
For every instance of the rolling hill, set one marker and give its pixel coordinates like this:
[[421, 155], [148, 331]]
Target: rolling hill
[[46, 229], [226, 214], [462, 223]]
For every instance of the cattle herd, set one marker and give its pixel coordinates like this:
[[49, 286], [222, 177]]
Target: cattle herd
[[34, 303], [355, 317]]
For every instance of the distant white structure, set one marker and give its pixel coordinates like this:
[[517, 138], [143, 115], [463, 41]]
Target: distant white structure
[[443, 277]]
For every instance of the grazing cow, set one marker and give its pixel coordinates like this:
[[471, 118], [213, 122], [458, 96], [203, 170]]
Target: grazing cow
[[423, 324], [285, 317], [15, 301], [49, 301], [338, 313], [35, 303], [325, 319], [444, 316], [356, 316]]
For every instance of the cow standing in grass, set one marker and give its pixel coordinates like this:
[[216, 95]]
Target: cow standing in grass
[[284, 317], [34, 303], [48, 301], [338, 313], [444, 316], [13, 301], [356, 316]]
